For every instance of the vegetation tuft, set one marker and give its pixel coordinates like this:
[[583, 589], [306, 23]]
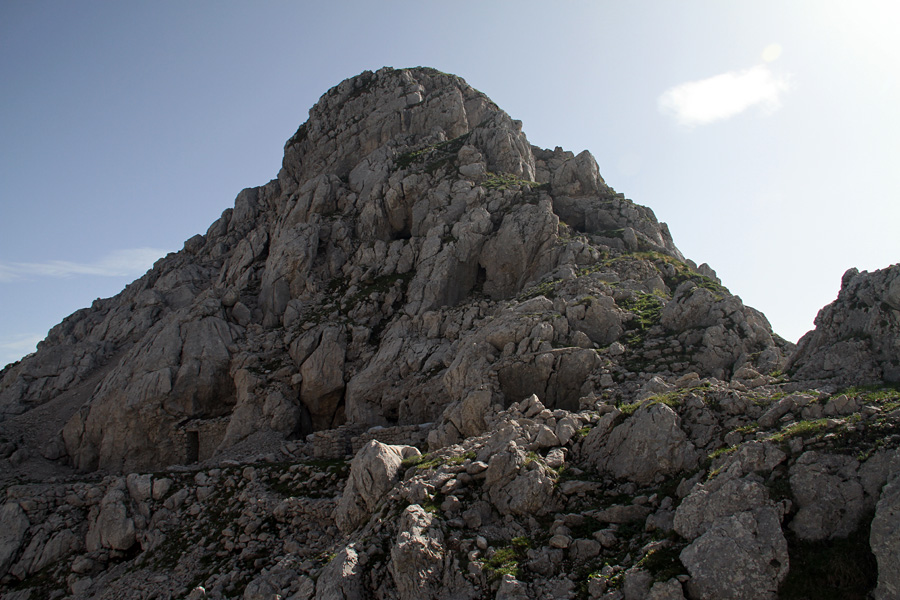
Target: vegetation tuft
[[506, 560]]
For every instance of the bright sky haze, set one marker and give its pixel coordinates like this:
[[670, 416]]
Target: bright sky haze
[[766, 134]]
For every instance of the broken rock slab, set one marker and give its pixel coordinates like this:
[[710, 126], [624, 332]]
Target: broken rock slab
[[373, 472]]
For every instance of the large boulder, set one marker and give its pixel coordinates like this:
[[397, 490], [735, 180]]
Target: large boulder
[[112, 528], [708, 503], [829, 493], [417, 556], [648, 445], [373, 472], [420, 565], [517, 484], [737, 550], [342, 578], [740, 557]]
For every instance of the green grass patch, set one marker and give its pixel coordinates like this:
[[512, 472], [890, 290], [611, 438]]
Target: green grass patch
[[546, 289], [430, 461], [721, 452], [804, 429], [664, 563], [874, 394], [504, 181], [672, 399], [434, 156], [506, 560], [646, 309]]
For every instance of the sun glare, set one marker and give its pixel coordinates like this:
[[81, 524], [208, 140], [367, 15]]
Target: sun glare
[[771, 52]]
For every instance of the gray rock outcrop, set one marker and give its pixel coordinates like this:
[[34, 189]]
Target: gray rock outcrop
[[649, 445], [857, 337], [341, 579], [885, 539], [737, 549], [829, 494], [741, 556], [373, 472], [13, 525], [376, 282]]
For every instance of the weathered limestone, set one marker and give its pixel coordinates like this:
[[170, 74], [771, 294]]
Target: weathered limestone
[[648, 445], [857, 337], [830, 496], [737, 546], [885, 539], [342, 578], [420, 275], [373, 472], [13, 525]]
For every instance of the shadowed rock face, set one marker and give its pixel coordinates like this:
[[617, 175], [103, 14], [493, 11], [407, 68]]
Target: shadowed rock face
[[381, 279]]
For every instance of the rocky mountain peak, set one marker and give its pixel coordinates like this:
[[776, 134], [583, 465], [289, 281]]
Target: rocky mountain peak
[[379, 280], [395, 111], [541, 396]]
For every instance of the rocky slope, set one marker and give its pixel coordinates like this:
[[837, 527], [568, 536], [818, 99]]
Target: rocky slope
[[600, 417]]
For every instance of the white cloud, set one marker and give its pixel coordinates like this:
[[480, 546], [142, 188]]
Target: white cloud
[[724, 96], [119, 263]]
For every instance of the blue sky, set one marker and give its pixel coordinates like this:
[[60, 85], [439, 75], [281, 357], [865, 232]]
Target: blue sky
[[766, 134]]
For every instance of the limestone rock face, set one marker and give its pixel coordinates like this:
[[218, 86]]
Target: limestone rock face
[[182, 372], [708, 503], [732, 521], [649, 444], [742, 556], [113, 528], [829, 493], [373, 472], [418, 563], [737, 547], [13, 525], [885, 540], [857, 337], [341, 579], [415, 261], [419, 277], [517, 485]]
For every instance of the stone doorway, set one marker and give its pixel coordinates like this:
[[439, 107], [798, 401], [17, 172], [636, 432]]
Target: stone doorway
[[192, 446]]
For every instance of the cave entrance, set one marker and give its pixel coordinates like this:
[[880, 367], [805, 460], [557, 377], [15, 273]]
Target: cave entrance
[[192, 447]]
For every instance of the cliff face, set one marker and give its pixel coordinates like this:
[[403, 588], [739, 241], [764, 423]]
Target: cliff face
[[600, 417], [375, 282]]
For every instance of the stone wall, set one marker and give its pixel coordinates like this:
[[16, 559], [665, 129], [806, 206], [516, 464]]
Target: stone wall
[[199, 439], [346, 440], [334, 443], [409, 435]]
